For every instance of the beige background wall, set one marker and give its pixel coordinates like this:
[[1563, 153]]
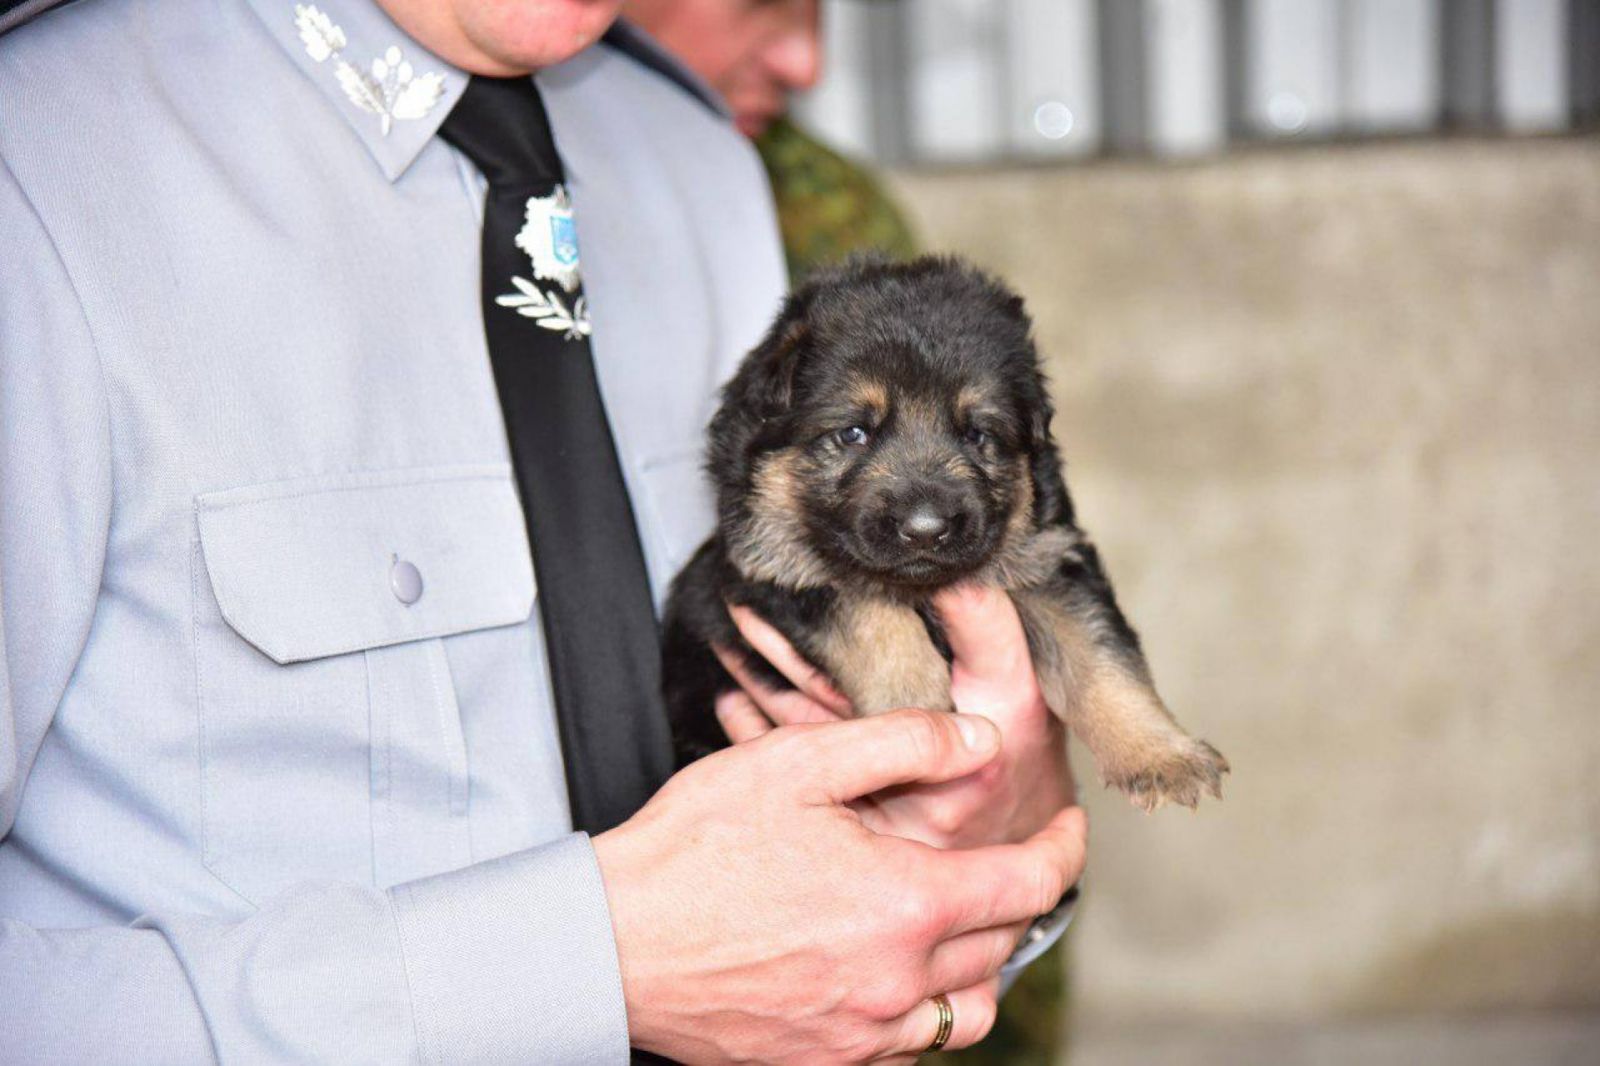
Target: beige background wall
[[1334, 417]]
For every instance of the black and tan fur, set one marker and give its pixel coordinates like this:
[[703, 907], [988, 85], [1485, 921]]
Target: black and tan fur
[[890, 437]]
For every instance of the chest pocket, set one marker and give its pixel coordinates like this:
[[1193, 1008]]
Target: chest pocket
[[330, 738]]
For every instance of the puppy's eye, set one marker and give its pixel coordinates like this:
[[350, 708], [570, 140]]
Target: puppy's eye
[[853, 437], [977, 437]]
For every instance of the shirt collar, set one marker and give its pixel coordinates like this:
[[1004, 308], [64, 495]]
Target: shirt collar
[[393, 92], [640, 46]]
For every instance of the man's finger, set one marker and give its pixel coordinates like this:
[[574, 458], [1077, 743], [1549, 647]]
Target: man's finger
[[974, 1010], [849, 759], [1007, 883], [776, 649], [783, 707], [974, 957], [741, 719], [986, 637]]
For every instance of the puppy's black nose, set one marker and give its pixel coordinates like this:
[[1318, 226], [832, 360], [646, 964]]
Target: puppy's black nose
[[923, 526]]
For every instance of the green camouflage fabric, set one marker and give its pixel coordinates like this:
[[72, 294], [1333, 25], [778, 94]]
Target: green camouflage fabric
[[828, 206], [1031, 1028]]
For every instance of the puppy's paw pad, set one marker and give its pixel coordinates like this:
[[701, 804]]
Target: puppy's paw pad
[[1180, 776]]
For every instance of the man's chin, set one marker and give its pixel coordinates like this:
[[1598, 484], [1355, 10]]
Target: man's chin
[[753, 124], [533, 35]]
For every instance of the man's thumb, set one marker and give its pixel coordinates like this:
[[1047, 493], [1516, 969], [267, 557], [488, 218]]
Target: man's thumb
[[862, 755]]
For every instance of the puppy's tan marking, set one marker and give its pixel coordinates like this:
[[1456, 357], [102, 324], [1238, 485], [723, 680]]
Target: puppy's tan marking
[[969, 399], [880, 655], [1026, 556], [771, 545], [925, 414], [957, 467], [870, 395], [1019, 523], [1111, 706]]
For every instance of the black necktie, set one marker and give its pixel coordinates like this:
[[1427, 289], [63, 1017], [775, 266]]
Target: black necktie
[[594, 598]]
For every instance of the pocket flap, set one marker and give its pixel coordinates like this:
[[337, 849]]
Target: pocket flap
[[308, 568]]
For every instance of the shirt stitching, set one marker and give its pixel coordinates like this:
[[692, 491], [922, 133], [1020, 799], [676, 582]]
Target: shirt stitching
[[405, 971]]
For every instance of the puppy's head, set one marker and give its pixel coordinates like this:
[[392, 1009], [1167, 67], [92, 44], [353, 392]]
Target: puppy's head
[[892, 427]]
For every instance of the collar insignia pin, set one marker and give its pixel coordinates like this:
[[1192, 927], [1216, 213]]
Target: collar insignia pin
[[389, 88], [549, 236]]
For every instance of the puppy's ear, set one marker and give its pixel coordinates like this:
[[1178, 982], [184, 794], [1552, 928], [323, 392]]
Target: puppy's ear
[[768, 375], [757, 397]]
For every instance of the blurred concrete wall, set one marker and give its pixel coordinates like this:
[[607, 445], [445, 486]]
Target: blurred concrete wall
[[1334, 417]]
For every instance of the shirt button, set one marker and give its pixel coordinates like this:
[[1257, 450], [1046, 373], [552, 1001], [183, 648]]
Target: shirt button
[[405, 580]]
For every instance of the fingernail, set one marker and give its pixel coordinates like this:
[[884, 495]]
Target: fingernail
[[976, 733]]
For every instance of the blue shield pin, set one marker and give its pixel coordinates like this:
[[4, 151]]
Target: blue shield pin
[[550, 237], [564, 239]]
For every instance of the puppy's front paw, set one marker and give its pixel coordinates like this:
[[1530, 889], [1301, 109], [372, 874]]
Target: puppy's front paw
[[1177, 774]]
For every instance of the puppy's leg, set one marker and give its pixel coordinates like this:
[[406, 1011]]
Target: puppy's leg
[[1095, 678], [880, 655]]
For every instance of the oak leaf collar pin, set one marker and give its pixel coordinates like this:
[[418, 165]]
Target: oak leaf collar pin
[[388, 87]]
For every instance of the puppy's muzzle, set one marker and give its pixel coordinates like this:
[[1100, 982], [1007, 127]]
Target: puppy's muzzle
[[923, 526], [927, 520]]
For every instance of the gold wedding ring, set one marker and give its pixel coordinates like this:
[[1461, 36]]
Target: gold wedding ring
[[947, 1022]]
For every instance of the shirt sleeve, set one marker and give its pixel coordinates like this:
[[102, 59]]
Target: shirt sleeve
[[511, 960], [505, 961]]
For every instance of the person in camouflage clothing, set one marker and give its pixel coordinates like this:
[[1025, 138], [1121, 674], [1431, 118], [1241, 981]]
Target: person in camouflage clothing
[[828, 206], [755, 53]]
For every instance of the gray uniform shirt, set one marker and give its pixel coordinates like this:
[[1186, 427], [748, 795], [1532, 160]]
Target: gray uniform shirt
[[252, 804]]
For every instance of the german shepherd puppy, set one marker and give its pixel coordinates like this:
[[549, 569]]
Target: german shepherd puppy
[[889, 437]]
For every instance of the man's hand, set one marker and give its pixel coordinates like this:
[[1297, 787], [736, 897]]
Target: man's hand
[[758, 918], [1009, 799]]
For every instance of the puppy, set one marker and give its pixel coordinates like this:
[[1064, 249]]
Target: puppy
[[890, 437]]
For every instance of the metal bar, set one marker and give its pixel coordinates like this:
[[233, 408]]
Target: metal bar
[[1467, 63], [1236, 67], [1583, 51], [1120, 36], [888, 66]]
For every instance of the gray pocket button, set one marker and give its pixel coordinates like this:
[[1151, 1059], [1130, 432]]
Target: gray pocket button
[[406, 581]]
